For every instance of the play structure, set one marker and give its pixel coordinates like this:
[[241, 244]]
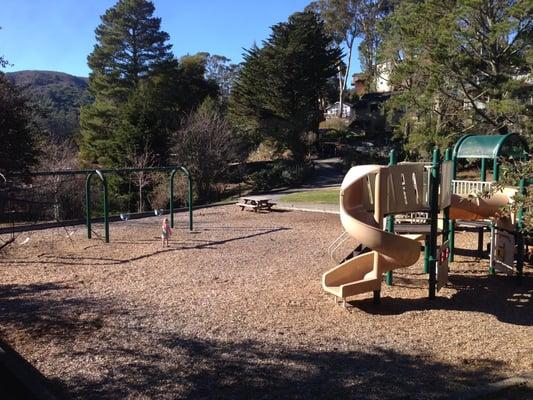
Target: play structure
[[479, 212], [371, 195], [8, 196]]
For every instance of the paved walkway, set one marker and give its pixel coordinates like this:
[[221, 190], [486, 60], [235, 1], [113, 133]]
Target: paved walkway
[[313, 207], [328, 174]]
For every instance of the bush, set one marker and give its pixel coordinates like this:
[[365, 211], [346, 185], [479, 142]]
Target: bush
[[337, 124], [280, 174]]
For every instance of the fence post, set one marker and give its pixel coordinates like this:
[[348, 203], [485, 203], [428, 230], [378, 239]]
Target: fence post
[[88, 209]]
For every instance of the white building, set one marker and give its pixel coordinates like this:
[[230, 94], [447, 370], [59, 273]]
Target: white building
[[383, 72], [333, 110]]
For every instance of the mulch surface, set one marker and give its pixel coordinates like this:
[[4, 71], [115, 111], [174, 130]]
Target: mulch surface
[[235, 309]]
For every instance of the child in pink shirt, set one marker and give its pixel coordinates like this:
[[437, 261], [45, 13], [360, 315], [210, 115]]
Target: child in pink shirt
[[166, 232]]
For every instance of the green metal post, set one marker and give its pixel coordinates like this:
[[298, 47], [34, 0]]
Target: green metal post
[[496, 171], [88, 209], [106, 211], [520, 234], [171, 197], [483, 170], [451, 236], [189, 179], [446, 231], [390, 218], [433, 207], [426, 254], [106, 204], [451, 240], [492, 227]]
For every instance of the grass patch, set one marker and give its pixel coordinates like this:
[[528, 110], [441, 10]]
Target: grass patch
[[329, 196]]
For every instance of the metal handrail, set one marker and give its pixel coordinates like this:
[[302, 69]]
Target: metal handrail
[[342, 235]]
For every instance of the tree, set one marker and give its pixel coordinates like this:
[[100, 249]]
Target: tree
[[129, 62], [277, 93], [341, 19], [206, 145], [144, 160], [220, 70], [512, 172], [194, 83], [373, 12], [461, 66], [17, 136], [130, 45], [346, 21]]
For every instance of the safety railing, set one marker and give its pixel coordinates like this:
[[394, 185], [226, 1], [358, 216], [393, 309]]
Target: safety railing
[[468, 187]]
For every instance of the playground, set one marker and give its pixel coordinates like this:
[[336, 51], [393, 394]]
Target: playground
[[235, 309]]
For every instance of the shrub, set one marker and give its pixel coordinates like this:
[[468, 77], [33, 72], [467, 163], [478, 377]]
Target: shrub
[[280, 173]]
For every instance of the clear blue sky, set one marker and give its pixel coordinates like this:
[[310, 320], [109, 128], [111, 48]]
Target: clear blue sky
[[58, 35]]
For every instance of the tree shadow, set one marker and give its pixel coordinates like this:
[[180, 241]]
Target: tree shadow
[[209, 369], [147, 363], [37, 311], [496, 295]]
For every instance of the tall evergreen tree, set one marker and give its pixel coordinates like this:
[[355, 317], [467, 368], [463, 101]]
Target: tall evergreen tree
[[130, 45], [277, 93], [130, 53], [16, 136]]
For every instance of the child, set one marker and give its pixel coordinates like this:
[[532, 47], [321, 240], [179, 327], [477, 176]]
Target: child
[[166, 232]]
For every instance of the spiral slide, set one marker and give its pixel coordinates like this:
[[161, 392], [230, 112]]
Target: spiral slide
[[390, 189]]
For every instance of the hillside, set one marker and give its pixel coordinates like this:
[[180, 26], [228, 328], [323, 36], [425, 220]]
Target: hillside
[[57, 98]]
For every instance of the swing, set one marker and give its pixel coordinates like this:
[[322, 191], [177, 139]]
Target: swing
[[125, 216]]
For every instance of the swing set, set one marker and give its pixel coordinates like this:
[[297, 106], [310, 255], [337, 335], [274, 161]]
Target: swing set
[[102, 174]]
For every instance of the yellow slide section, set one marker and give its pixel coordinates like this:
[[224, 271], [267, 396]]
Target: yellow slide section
[[363, 273]]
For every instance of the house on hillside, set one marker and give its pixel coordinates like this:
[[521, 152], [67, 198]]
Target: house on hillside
[[369, 113], [380, 83], [333, 110]]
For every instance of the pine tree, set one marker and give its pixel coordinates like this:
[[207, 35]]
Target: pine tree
[[277, 93], [461, 66], [130, 45], [127, 63], [17, 151]]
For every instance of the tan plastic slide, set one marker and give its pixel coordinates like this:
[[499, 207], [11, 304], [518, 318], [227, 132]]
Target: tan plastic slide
[[363, 273], [474, 207]]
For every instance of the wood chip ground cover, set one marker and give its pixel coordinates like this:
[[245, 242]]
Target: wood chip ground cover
[[236, 310]]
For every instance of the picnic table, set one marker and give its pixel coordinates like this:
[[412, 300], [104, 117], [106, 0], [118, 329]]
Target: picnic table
[[256, 203]]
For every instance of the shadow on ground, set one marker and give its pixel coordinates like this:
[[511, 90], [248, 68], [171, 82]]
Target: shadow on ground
[[245, 370], [496, 295], [103, 261], [173, 366], [37, 312]]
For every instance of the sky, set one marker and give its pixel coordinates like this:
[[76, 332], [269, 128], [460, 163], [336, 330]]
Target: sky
[[57, 35]]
